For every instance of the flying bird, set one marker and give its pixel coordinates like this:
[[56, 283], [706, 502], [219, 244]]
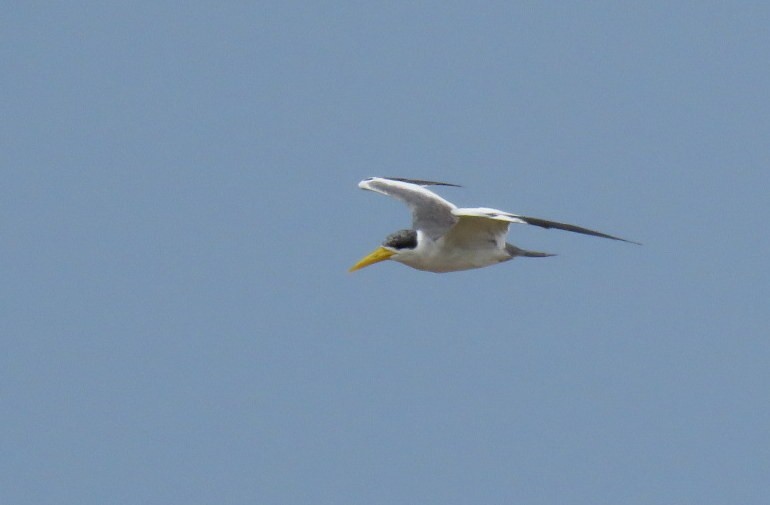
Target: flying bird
[[445, 238]]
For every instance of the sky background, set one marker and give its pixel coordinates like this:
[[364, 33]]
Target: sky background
[[178, 210]]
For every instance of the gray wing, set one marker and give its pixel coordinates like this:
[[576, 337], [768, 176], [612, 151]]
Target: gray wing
[[569, 227], [431, 214], [478, 229], [421, 182], [480, 222]]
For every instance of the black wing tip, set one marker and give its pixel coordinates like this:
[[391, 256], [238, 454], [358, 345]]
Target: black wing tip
[[611, 237], [618, 238], [422, 182], [543, 223], [604, 235]]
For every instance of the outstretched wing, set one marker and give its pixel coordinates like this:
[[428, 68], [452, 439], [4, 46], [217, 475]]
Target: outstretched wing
[[431, 214], [421, 182], [479, 224], [568, 227], [479, 228]]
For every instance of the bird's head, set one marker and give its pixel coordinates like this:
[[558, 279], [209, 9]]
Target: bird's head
[[396, 244]]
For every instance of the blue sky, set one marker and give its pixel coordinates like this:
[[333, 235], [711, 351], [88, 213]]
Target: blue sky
[[179, 209]]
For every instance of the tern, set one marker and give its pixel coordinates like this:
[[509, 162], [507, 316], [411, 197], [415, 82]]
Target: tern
[[445, 238]]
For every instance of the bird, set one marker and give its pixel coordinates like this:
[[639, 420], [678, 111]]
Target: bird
[[446, 238]]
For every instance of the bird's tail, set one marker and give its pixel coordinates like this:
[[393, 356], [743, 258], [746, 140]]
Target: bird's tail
[[515, 251]]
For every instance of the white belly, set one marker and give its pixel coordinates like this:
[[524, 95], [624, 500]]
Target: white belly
[[432, 257]]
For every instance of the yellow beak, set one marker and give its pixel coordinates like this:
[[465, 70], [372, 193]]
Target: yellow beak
[[379, 254]]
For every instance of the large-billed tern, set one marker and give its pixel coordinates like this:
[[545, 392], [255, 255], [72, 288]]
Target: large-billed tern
[[445, 238]]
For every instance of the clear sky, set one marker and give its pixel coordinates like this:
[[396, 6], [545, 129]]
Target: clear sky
[[178, 210]]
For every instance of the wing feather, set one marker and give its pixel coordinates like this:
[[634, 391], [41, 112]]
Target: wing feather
[[482, 220], [479, 228], [421, 182], [430, 213], [436, 217], [542, 223]]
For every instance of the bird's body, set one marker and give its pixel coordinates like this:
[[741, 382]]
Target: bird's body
[[445, 238], [441, 255]]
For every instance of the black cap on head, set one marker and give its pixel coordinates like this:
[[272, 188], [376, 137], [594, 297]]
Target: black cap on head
[[402, 239]]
